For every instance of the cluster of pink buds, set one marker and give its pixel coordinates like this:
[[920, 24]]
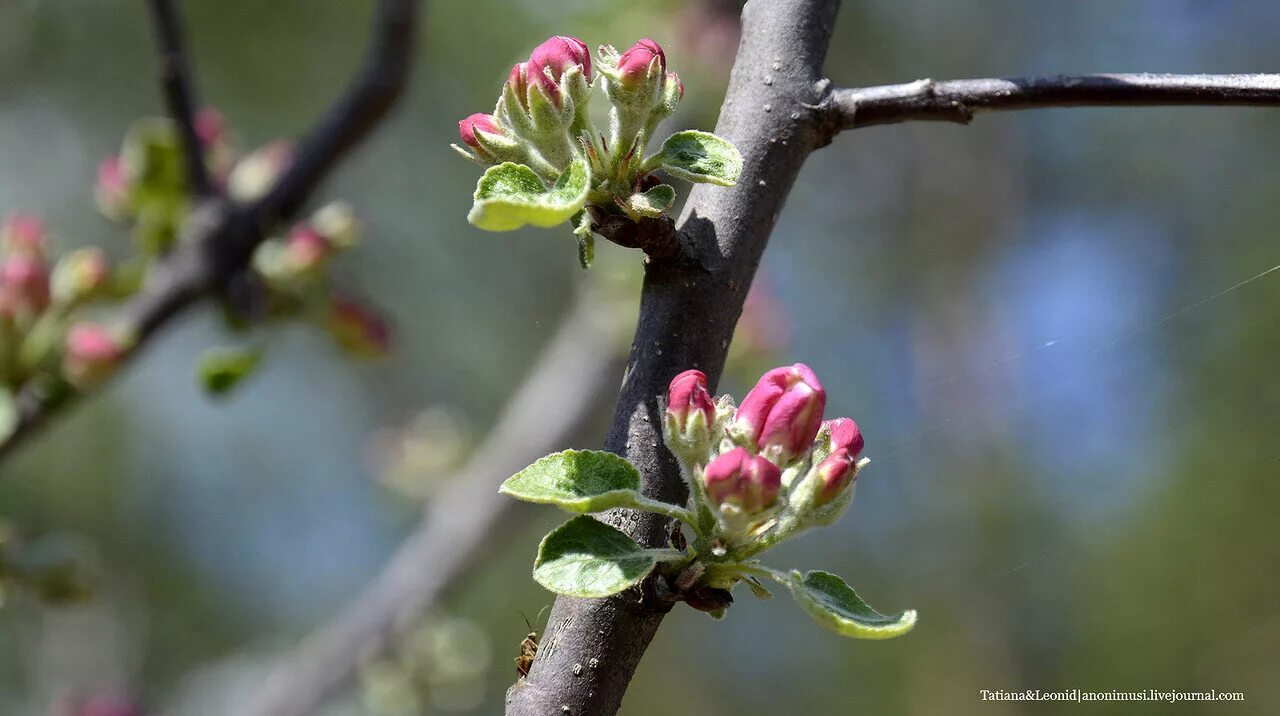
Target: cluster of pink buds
[[542, 111], [24, 272], [769, 461]]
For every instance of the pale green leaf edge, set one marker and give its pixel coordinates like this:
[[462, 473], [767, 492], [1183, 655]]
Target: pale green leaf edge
[[874, 626], [550, 207]]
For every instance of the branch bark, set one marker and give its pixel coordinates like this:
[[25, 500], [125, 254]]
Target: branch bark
[[173, 66], [219, 236], [688, 309], [960, 100]]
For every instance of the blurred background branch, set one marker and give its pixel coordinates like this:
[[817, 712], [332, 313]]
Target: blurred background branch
[[463, 520]]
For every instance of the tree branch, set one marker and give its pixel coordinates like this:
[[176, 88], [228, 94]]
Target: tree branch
[[219, 236], [459, 524], [173, 66], [960, 100], [688, 310]]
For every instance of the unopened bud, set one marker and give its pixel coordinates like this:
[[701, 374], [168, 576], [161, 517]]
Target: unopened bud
[[80, 275], [337, 223], [636, 64], [254, 175], [479, 122], [688, 395], [92, 353], [24, 283], [550, 60], [210, 126], [111, 192], [781, 415], [305, 248], [23, 233], [749, 482], [518, 81], [358, 328]]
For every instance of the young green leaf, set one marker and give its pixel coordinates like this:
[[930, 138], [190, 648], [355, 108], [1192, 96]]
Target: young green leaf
[[652, 203], [587, 558], [835, 605], [577, 481], [511, 195], [699, 157], [222, 369]]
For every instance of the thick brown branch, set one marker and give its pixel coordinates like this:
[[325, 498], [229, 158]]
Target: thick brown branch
[[960, 100], [173, 66], [688, 310], [459, 524], [218, 237]]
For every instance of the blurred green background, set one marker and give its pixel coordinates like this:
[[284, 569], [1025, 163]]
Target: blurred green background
[[1073, 422]]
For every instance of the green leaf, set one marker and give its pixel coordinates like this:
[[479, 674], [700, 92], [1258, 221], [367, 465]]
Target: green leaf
[[578, 481], [586, 239], [222, 369], [835, 605], [8, 413], [652, 203], [511, 195], [700, 157], [587, 558]]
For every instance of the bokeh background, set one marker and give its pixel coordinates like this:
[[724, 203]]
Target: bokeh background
[[1044, 322]]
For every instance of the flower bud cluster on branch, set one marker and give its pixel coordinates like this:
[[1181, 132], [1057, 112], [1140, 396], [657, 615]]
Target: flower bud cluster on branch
[[58, 335], [548, 163], [757, 474]]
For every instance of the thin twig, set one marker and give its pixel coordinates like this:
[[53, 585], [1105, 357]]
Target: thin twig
[[173, 64], [959, 100], [570, 383], [219, 237]]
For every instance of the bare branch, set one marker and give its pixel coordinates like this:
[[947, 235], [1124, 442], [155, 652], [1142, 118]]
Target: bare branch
[[219, 237], [173, 66], [687, 314], [574, 375], [960, 100]]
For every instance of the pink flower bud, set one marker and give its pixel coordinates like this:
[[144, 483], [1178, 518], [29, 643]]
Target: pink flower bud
[[24, 279], [93, 353], [112, 189], [306, 247], [80, 274], [846, 436], [518, 80], [358, 328], [210, 126], [836, 473], [687, 395], [634, 63], [679, 84], [23, 233], [552, 58], [737, 477], [479, 121], [839, 469], [783, 411]]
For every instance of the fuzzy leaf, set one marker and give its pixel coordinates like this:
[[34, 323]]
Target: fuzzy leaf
[[222, 369], [652, 203], [587, 558], [577, 481], [835, 605], [700, 157], [511, 195]]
